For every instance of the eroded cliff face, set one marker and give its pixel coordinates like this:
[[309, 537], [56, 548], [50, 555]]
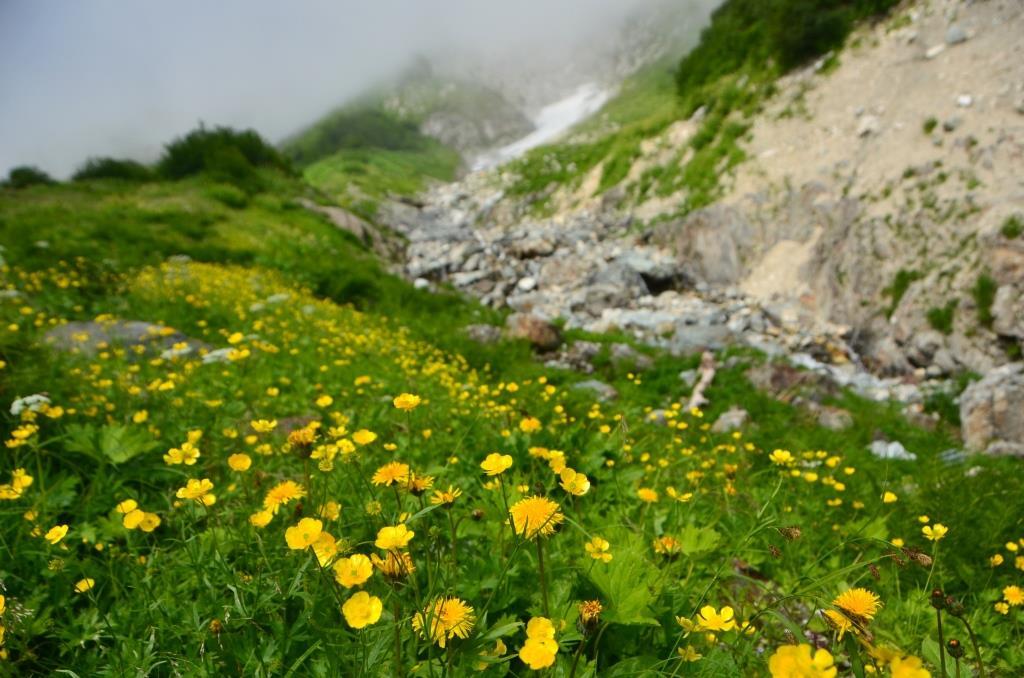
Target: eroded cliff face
[[881, 202]]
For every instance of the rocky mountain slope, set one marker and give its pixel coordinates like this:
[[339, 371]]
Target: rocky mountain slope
[[873, 228]]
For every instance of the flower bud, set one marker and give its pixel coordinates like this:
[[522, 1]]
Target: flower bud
[[956, 650]]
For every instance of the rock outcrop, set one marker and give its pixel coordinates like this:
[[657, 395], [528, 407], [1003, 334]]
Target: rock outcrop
[[992, 412]]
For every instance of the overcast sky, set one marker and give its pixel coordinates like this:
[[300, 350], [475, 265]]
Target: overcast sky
[[121, 77]]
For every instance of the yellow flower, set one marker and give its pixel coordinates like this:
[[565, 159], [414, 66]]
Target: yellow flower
[[364, 437], [353, 571], [573, 482], [56, 533], [330, 511], [261, 518], [689, 654], [934, 532], [264, 425], [150, 521], [394, 565], [198, 490], [133, 518], [140, 417], [446, 497], [390, 473], [325, 548], [796, 661], [393, 537], [598, 549], [889, 498], [839, 622], [908, 667], [529, 425], [859, 604], [496, 464], [362, 609], [240, 462], [781, 457], [127, 506], [83, 585], [282, 493], [1014, 595], [1002, 608], [447, 618], [535, 515], [711, 619], [304, 534], [647, 495], [540, 648], [324, 401], [407, 401]]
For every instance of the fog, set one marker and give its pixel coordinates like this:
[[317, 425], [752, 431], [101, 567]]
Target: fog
[[122, 77]]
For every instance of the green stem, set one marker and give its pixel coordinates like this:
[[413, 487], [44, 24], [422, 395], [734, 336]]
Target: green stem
[[977, 649], [543, 578], [398, 639], [576, 657], [942, 643]]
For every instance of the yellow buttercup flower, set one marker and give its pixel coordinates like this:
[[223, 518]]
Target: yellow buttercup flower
[[407, 401], [83, 585], [56, 533], [496, 464], [240, 462], [889, 497], [529, 425], [540, 648], [393, 537], [711, 619], [264, 425], [574, 482], [934, 532], [304, 534], [797, 661], [598, 549], [364, 437], [199, 490], [908, 667], [362, 609], [353, 571]]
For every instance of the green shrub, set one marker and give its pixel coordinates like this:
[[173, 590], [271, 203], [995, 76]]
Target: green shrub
[[228, 195], [900, 284], [984, 293], [941, 318], [113, 168], [1013, 227], [929, 125], [25, 176], [223, 153], [352, 128]]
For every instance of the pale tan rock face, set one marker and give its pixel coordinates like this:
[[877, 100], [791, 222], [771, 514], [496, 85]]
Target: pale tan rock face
[[539, 332], [992, 412]]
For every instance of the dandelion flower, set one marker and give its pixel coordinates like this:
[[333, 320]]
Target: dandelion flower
[[362, 609], [647, 495], [394, 537], [535, 515], [447, 497], [495, 464], [797, 661], [1014, 595], [447, 618], [282, 493], [858, 603], [391, 473]]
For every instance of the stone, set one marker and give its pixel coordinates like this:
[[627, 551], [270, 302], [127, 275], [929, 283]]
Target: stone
[[955, 34], [992, 410], [527, 284], [690, 339], [894, 450], [834, 418], [934, 51], [483, 334], [626, 354], [539, 332], [87, 336], [421, 283], [731, 420], [1008, 311], [689, 377], [953, 123], [965, 101], [868, 125], [599, 389]]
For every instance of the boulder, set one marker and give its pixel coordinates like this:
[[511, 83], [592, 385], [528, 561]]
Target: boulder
[[992, 411], [730, 420], [1008, 311], [955, 34], [834, 418], [483, 334], [89, 337], [884, 449], [690, 339], [626, 354], [599, 389], [539, 332]]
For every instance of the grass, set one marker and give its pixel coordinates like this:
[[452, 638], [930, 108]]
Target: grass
[[1013, 227], [900, 284], [984, 293], [940, 318], [314, 336]]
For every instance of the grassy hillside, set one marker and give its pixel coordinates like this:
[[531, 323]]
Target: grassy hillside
[[256, 496]]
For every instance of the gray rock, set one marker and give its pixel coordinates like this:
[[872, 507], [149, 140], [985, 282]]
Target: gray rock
[[869, 125], [690, 339], [731, 420], [934, 51], [626, 354], [483, 334], [1008, 311], [87, 337], [955, 34], [834, 418], [953, 123], [992, 410], [599, 389], [689, 377], [539, 332], [421, 283], [527, 284], [884, 449]]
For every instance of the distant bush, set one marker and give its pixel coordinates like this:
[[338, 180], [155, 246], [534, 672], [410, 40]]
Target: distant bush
[[760, 34], [1013, 227], [984, 293], [113, 168], [25, 176], [223, 153], [228, 195], [929, 125], [900, 284], [941, 318], [355, 128]]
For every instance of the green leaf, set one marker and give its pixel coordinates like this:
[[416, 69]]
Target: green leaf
[[122, 443], [626, 583], [697, 539]]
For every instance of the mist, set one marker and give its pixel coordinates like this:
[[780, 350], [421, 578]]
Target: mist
[[121, 77]]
